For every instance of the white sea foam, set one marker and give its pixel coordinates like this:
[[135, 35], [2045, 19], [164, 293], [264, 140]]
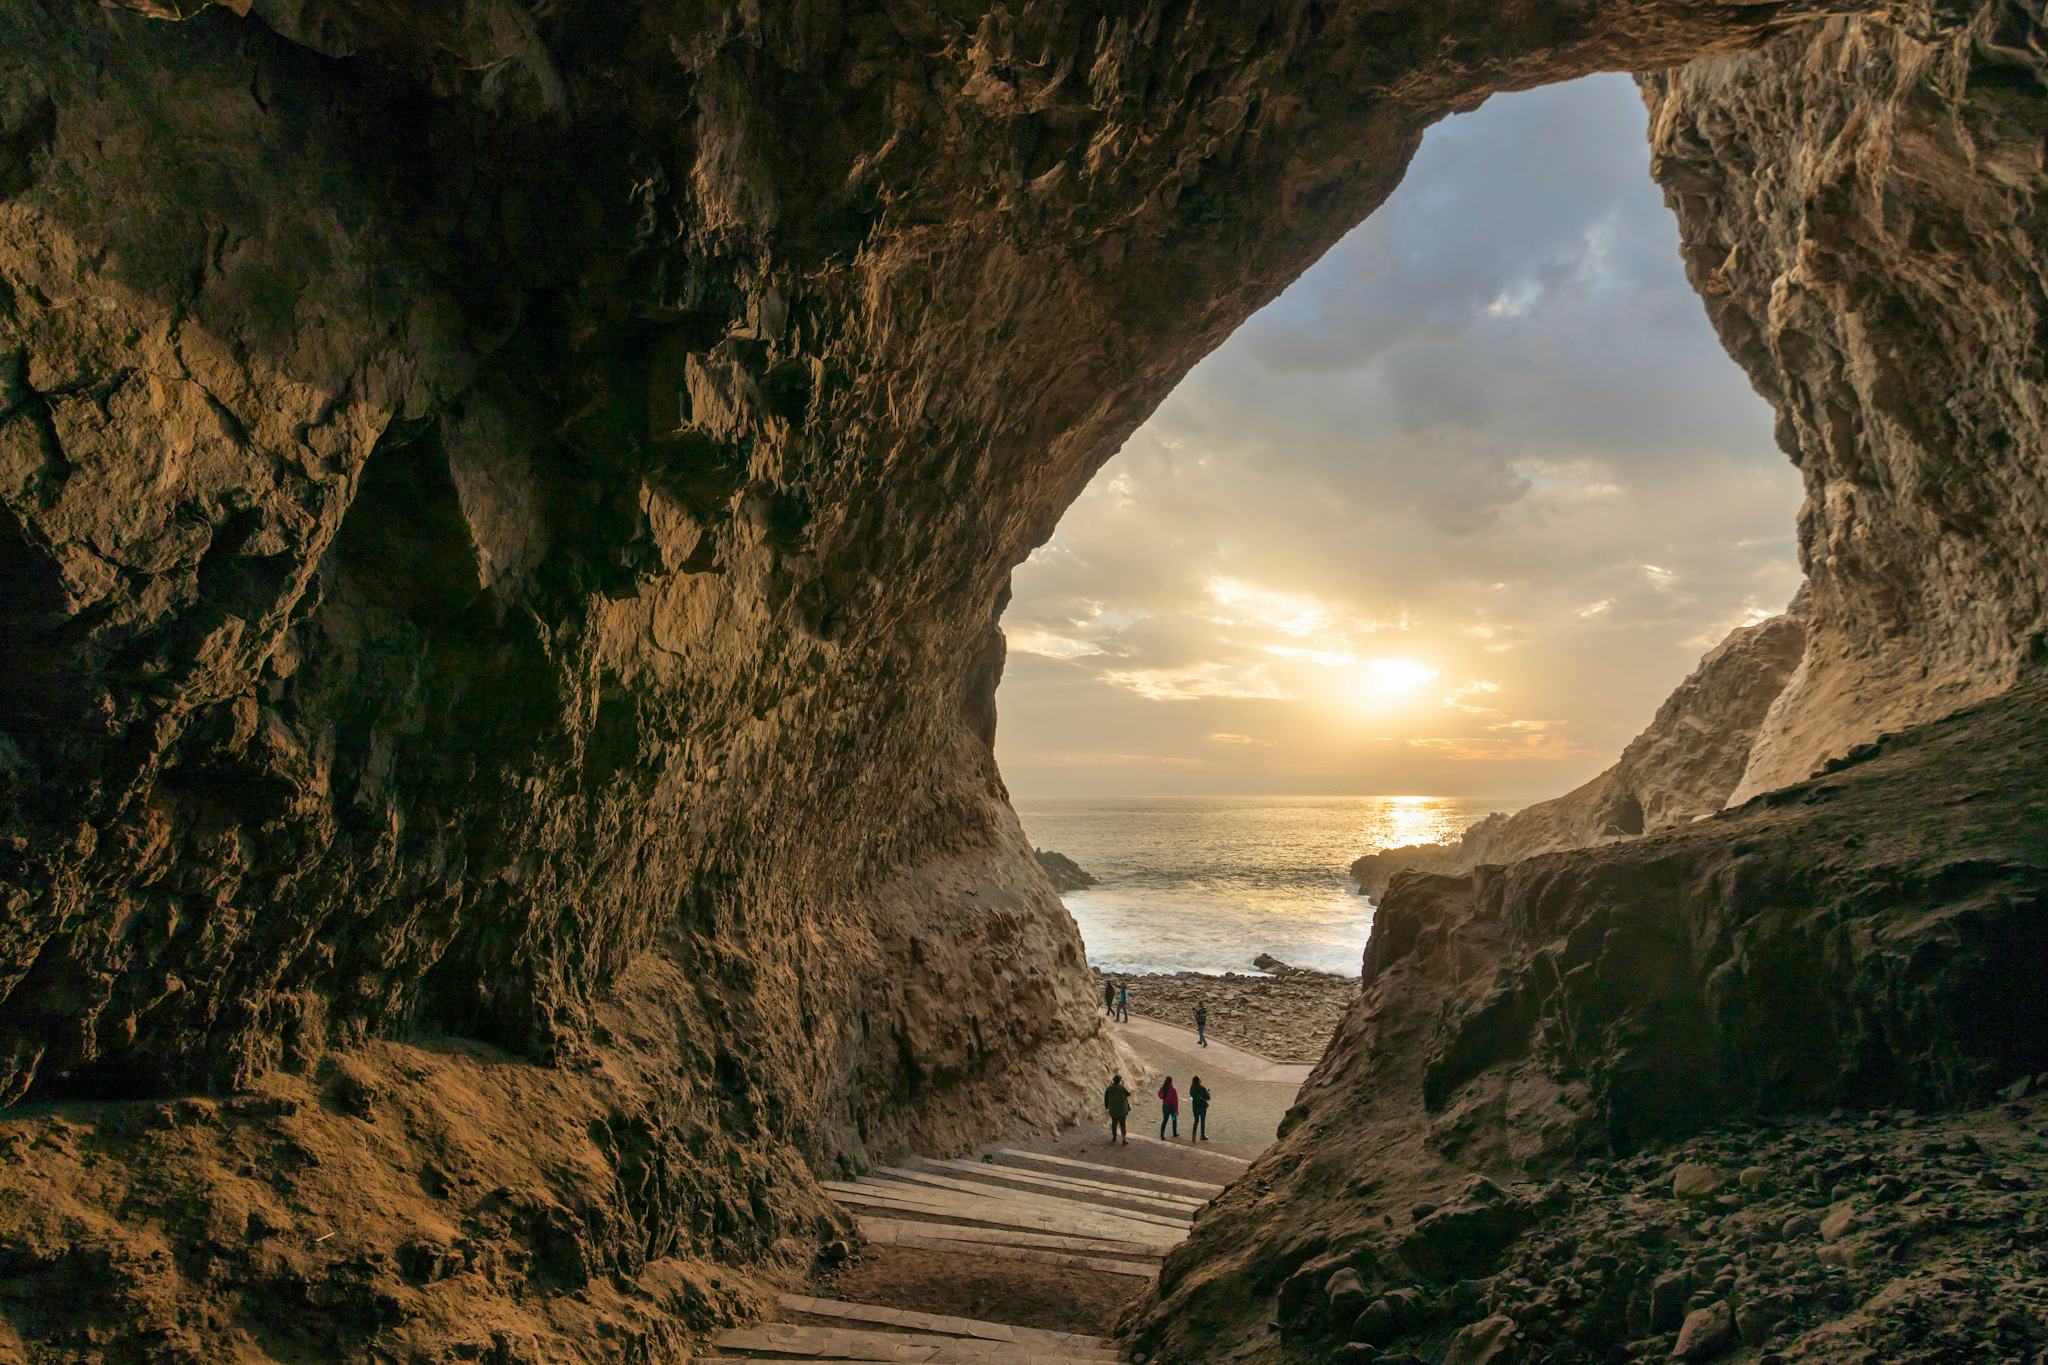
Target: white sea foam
[[1206, 884]]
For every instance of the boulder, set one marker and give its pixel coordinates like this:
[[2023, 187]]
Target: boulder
[[1378, 1325], [1490, 1341], [1667, 1300], [1463, 1241], [1836, 1223], [1707, 1332], [1347, 1296], [1694, 1181]]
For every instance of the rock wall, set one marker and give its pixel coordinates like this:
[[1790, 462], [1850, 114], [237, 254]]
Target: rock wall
[[1683, 766], [503, 512], [1870, 938], [1861, 211]]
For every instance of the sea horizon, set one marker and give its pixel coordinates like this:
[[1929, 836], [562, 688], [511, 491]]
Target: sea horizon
[[1188, 882]]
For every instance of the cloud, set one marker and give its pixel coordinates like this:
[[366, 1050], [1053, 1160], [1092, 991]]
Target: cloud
[[1089, 758], [1222, 738], [1322, 658], [1751, 613], [1201, 681], [1537, 748], [1458, 697], [1491, 431], [1025, 640], [1289, 613]]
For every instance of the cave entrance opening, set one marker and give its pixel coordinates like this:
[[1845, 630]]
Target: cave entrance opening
[[1431, 535]]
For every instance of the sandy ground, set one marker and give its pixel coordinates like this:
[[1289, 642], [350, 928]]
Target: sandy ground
[[1250, 1094], [968, 1286]]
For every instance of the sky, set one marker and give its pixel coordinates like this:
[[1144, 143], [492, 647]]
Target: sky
[[1451, 516]]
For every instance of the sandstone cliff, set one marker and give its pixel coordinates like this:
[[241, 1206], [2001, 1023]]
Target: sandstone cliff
[[1683, 766], [503, 511], [1853, 940], [1863, 215], [1860, 211]]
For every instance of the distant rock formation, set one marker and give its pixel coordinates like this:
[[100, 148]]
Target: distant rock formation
[[1679, 769], [1065, 873], [1273, 966]]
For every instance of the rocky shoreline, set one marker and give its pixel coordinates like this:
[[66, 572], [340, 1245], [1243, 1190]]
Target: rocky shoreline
[[1286, 1013], [1063, 872]]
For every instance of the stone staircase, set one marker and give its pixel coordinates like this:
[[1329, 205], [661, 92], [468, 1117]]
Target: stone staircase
[[1011, 1205]]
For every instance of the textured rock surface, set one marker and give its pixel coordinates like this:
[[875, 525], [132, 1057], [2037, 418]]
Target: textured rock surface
[[1862, 210], [1834, 943], [501, 504], [1683, 766]]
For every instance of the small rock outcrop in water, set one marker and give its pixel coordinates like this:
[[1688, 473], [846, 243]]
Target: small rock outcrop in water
[[1064, 873], [1683, 766]]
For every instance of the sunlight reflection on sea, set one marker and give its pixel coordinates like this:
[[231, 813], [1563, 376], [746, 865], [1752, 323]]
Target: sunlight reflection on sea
[[1200, 883]]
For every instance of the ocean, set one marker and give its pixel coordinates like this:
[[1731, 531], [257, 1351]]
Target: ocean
[[1207, 883]]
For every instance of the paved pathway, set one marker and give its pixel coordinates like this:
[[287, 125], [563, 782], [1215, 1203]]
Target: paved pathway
[[1068, 1200], [1217, 1054], [1251, 1095]]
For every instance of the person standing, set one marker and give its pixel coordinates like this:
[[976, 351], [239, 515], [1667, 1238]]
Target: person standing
[[1109, 997], [1123, 1004], [1117, 1100], [1202, 1024], [1169, 1109], [1198, 1106]]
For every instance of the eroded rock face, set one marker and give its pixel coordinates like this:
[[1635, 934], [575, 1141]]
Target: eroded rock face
[[500, 507], [1683, 766], [1861, 210], [1845, 941]]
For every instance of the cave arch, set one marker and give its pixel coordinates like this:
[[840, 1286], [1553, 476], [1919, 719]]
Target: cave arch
[[944, 262]]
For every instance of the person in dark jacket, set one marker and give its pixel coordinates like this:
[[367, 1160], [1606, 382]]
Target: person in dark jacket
[[1202, 1025], [1109, 998], [1198, 1104], [1169, 1108], [1117, 1100]]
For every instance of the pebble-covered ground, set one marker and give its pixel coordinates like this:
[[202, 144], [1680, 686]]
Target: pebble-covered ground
[[1887, 1237], [1289, 1017]]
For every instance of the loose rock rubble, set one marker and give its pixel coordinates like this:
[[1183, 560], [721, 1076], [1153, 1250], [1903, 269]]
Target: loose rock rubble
[[1289, 1016], [1880, 1237]]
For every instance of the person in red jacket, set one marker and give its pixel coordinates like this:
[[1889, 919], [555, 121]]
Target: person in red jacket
[[1169, 1108]]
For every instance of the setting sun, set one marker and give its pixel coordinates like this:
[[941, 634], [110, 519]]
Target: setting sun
[[1384, 682]]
